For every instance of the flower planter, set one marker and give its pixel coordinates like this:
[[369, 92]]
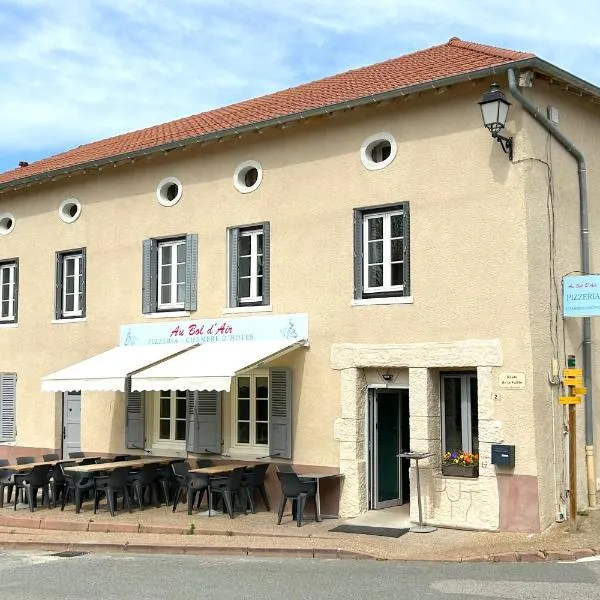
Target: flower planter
[[459, 471]]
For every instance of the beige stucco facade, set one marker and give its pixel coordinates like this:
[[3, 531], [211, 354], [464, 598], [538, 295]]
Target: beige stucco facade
[[480, 285]]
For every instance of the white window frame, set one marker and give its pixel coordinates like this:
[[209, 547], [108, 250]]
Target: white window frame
[[253, 234], [173, 283], [77, 258], [171, 442], [251, 446], [465, 409], [387, 251], [8, 272]]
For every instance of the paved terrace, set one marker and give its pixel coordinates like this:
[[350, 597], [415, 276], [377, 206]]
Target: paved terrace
[[162, 531]]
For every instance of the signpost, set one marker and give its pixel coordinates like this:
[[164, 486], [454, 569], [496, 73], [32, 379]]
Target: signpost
[[573, 382]]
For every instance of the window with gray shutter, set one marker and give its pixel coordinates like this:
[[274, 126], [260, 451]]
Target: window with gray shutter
[[135, 436], [170, 274], [280, 412], [69, 302], [9, 290], [382, 251], [250, 265], [8, 400]]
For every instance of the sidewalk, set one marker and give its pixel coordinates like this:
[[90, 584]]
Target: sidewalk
[[162, 531]]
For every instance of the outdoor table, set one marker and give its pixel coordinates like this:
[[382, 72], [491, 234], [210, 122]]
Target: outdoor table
[[28, 466], [318, 477], [109, 466], [417, 456]]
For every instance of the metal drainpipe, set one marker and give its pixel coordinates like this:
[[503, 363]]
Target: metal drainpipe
[[585, 268]]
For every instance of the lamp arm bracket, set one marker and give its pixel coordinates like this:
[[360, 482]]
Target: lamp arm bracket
[[506, 143]]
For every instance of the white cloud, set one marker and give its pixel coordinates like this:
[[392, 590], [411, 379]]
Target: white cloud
[[74, 71]]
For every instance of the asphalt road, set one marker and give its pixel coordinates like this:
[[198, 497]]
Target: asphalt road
[[44, 576]]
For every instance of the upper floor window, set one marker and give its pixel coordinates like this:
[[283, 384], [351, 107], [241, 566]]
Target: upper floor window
[[9, 274], [249, 265], [381, 252], [170, 271], [70, 284]]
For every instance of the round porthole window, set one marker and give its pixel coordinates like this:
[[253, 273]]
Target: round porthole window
[[169, 191], [378, 151], [7, 223], [247, 176], [69, 210]]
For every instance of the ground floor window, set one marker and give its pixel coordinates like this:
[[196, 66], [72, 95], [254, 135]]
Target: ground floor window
[[171, 416], [460, 431], [251, 411]]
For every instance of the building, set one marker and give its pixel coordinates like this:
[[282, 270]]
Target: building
[[328, 275]]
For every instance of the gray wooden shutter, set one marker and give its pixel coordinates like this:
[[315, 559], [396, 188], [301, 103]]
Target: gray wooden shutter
[[16, 295], [191, 271], [149, 276], [280, 412], [134, 425], [358, 255], [83, 280], [266, 292], [234, 243], [191, 439], [58, 286], [8, 400], [406, 226], [208, 422]]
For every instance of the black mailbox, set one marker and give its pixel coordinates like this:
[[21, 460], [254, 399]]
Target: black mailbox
[[503, 455]]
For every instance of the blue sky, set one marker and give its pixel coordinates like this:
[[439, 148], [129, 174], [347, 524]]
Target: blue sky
[[74, 71]]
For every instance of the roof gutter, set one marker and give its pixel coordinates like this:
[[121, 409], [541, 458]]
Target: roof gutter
[[585, 269], [278, 121]]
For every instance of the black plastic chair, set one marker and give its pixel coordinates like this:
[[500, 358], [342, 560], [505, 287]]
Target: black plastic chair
[[181, 473], [203, 462], [285, 468], [146, 479], [50, 457], [58, 483], [254, 480], [79, 485], [6, 482], [76, 454], [90, 460], [38, 478], [112, 485], [25, 460], [229, 488], [120, 457], [297, 491]]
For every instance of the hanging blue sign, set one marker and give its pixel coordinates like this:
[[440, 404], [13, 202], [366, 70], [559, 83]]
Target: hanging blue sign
[[581, 296]]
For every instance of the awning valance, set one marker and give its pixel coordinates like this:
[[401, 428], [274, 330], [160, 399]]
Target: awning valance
[[107, 371], [210, 367]]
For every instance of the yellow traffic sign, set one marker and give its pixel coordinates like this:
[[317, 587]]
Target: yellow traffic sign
[[578, 381], [580, 391], [572, 373], [570, 399]]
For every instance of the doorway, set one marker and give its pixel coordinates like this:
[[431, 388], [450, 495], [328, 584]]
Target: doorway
[[71, 429], [389, 434]]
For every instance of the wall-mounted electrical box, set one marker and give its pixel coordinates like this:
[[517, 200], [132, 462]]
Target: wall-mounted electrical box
[[503, 455]]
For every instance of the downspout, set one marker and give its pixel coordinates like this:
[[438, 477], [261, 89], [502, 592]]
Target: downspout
[[585, 268]]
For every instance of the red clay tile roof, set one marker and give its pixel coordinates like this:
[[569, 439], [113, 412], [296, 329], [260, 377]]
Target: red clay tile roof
[[453, 58]]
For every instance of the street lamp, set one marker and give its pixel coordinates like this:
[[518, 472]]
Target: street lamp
[[494, 110]]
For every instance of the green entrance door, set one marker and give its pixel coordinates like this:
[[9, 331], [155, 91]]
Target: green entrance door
[[388, 436]]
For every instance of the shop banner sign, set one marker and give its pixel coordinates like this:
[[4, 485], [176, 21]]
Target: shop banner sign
[[581, 296], [203, 331]]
